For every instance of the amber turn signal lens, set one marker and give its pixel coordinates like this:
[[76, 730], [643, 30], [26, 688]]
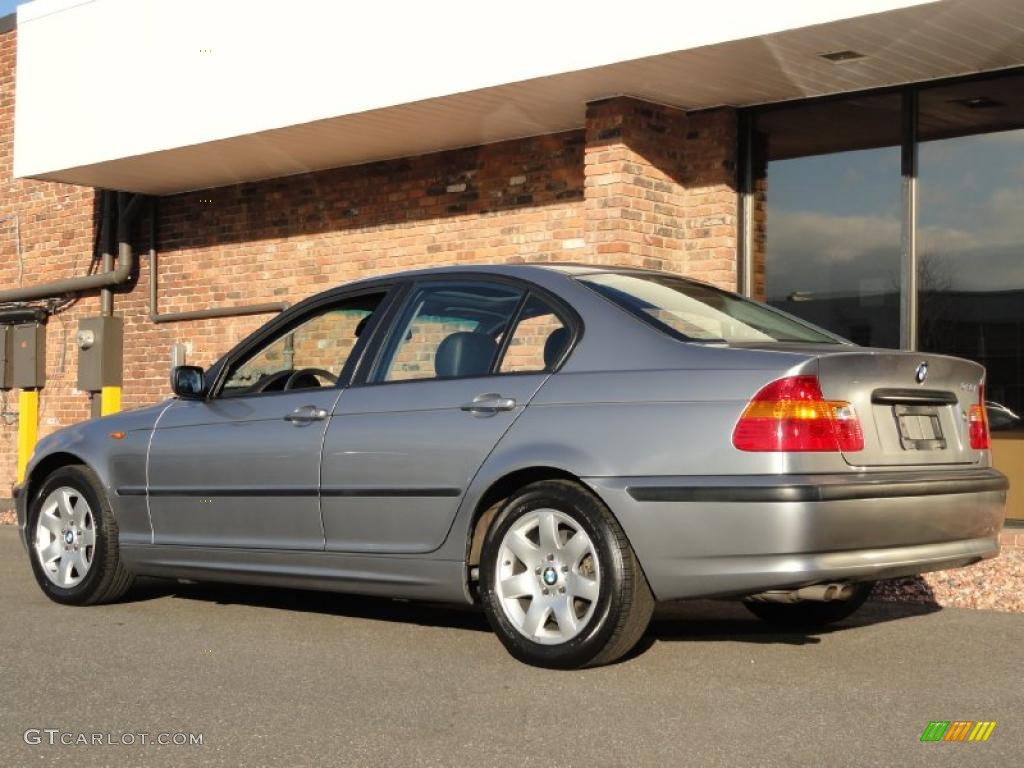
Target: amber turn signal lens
[[792, 415], [977, 423]]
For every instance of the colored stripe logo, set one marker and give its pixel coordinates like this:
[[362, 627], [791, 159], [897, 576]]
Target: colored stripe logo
[[958, 730]]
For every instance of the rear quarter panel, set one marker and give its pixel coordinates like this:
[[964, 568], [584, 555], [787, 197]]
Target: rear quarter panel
[[655, 422]]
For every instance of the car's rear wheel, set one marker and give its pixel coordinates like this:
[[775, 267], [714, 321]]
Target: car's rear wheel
[[73, 540], [811, 614], [559, 582]]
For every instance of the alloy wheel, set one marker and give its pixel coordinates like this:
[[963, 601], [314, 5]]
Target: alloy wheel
[[547, 576], [65, 540]]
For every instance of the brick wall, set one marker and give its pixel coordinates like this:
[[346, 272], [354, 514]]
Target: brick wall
[[52, 226], [641, 184], [661, 188], [287, 238]]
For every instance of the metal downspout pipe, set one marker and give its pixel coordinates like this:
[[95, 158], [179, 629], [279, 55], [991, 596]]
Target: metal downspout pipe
[[155, 315], [107, 249], [106, 279]]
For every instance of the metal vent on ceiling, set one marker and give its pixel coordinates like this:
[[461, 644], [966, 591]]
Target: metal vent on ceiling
[[841, 57]]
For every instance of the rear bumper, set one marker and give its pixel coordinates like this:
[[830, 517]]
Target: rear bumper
[[734, 535]]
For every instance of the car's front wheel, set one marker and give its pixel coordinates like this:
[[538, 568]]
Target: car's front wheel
[[559, 582], [73, 540], [811, 614]]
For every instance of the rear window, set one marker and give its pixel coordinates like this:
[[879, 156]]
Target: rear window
[[697, 312]]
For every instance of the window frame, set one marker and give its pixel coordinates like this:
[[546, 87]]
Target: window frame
[[291, 319], [373, 359], [748, 158]]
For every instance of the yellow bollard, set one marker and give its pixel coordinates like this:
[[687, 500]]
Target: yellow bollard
[[28, 424], [110, 400]]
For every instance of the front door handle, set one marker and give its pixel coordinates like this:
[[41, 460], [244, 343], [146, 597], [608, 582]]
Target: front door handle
[[304, 414], [489, 403]]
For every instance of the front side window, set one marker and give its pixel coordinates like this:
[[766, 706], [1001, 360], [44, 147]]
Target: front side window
[[696, 312], [309, 355]]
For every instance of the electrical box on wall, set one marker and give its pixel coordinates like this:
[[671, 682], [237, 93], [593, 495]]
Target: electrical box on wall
[[100, 353], [6, 364], [29, 358]]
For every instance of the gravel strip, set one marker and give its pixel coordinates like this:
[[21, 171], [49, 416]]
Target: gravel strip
[[7, 517], [995, 585]]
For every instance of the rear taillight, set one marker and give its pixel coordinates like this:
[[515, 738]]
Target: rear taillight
[[792, 415], [977, 422]]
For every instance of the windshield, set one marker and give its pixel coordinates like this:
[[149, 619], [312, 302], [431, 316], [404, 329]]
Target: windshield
[[697, 312]]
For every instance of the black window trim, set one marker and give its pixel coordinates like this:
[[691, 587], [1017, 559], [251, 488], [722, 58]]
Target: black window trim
[[372, 358], [294, 317]]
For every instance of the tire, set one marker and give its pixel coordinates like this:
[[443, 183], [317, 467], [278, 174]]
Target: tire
[[72, 537], [597, 602], [811, 614]]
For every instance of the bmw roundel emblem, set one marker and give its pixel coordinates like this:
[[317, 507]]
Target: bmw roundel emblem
[[921, 373], [550, 576]]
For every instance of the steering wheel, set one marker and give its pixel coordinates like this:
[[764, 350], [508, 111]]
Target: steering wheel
[[312, 373], [272, 383]]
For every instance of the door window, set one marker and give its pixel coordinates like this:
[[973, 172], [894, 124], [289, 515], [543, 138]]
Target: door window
[[539, 340], [450, 330], [309, 355]]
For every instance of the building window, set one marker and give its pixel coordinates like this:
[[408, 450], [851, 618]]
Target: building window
[[970, 253], [831, 179], [830, 215]]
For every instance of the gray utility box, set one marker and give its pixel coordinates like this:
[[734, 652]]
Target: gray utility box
[[29, 355], [100, 353], [6, 364]]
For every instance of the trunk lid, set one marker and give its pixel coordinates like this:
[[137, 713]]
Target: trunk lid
[[912, 406]]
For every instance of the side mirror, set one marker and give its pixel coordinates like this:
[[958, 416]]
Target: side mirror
[[188, 382]]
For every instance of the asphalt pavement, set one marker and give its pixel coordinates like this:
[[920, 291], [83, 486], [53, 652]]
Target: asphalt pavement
[[280, 677]]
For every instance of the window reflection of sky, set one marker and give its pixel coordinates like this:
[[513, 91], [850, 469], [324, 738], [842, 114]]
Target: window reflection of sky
[[834, 219]]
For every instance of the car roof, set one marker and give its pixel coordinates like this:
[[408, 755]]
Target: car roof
[[523, 269]]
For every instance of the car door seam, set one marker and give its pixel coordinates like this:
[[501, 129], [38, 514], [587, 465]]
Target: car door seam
[[320, 468], [480, 466], [149, 449]]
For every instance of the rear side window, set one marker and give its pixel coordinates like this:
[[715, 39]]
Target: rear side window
[[696, 312], [539, 340], [450, 330]]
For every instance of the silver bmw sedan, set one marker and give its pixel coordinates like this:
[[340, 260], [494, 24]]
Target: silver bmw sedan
[[564, 445]]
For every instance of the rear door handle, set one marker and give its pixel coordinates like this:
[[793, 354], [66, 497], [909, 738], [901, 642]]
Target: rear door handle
[[304, 414], [489, 403]]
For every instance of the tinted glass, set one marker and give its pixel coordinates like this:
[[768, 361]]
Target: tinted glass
[[697, 312], [829, 218], [971, 235], [321, 345], [449, 330], [538, 340]]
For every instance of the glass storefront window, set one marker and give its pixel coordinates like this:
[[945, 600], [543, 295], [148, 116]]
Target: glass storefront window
[[828, 215], [970, 233], [971, 258], [833, 215]]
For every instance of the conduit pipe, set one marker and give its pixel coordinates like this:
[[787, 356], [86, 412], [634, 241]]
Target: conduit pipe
[[106, 279], [196, 314]]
